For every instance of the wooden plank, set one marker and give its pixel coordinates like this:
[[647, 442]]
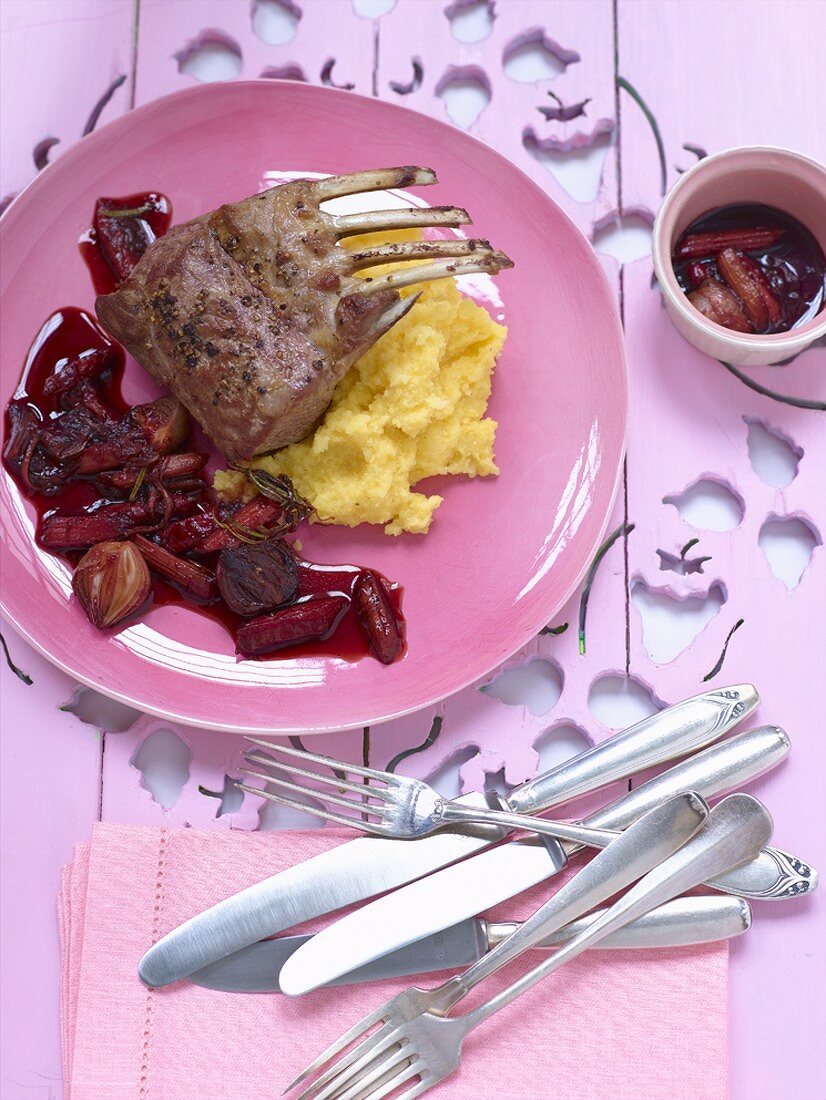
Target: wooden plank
[[736, 75], [49, 787], [326, 32], [58, 59]]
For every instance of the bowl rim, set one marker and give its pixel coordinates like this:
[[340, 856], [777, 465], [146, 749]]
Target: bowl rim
[[794, 338]]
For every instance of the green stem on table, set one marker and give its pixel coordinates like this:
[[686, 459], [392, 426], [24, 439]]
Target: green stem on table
[[719, 664], [652, 122], [18, 672], [435, 730], [623, 529]]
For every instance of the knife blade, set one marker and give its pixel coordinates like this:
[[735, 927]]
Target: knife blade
[[683, 921], [367, 866], [450, 895]]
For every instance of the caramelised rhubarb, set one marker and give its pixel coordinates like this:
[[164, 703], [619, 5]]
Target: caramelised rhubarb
[[194, 579], [313, 619], [750, 285], [377, 618], [752, 269], [694, 246], [125, 227]]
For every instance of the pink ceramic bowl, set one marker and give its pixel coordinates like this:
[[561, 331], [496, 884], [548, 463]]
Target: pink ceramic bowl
[[753, 174]]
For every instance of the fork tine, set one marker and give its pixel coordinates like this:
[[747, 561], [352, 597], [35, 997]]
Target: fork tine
[[352, 1074], [417, 1090], [385, 1077], [334, 1071], [343, 1041], [322, 796], [317, 758], [340, 819], [386, 1085], [330, 780]]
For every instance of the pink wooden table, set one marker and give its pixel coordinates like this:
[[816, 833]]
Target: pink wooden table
[[725, 484]]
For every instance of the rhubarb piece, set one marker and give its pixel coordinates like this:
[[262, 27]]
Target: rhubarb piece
[[313, 619], [111, 582], [84, 367], [176, 470], [751, 286], [77, 530], [85, 395], [714, 300], [186, 534], [257, 577], [164, 423], [377, 618], [260, 516], [194, 579], [122, 237], [696, 246]]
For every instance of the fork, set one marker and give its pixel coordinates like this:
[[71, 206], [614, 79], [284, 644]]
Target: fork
[[417, 1040], [391, 805]]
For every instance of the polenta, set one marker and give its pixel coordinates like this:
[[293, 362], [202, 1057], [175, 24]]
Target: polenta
[[411, 408]]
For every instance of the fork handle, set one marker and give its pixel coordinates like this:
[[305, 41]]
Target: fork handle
[[585, 835], [651, 839], [736, 830], [673, 732]]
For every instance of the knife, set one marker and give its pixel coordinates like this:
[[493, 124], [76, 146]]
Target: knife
[[474, 885], [368, 866], [691, 920]]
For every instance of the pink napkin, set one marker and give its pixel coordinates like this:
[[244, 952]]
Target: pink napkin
[[613, 1025]]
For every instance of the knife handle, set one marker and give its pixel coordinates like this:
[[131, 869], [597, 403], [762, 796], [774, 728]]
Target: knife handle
[[677, 923], [711, 772], [651, 840], [674, 731]]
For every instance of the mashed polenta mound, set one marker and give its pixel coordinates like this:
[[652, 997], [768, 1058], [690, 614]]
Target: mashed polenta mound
[[412, 407]]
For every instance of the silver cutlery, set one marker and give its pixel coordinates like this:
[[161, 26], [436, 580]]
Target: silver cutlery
[[706, 918], [364, 867], [389, 805], [488, 878], [417, 1044]]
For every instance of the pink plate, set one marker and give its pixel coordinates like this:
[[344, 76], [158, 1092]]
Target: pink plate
[[503, 554]]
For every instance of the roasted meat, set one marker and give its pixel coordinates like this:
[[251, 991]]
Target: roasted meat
[[252, 314]]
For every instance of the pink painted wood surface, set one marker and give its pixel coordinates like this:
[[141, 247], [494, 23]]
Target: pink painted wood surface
[[748, 81]]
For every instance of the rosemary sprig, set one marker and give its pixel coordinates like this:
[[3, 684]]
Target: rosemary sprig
[[242, 533], [280, 489], [623, 529], [136, 488], [129, 212]]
